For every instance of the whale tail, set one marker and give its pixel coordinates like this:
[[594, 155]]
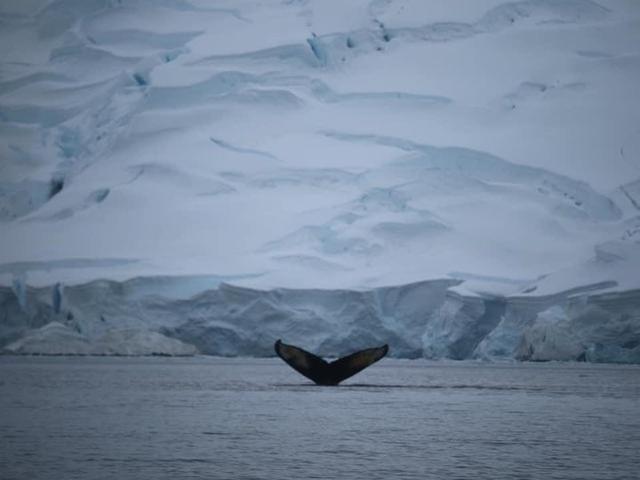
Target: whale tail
[[328, 373]]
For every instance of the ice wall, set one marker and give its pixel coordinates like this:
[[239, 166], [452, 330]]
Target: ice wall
[[427, 319]]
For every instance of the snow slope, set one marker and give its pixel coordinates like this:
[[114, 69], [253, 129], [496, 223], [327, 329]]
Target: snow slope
[[490, 146]]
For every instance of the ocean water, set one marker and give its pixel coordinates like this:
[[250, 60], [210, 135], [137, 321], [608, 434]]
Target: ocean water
[[214, 418]]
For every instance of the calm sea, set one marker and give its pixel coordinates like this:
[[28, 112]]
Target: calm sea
[[212, 418]]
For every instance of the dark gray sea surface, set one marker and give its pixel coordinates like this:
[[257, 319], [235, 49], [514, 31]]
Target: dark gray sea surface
[[215, 418]]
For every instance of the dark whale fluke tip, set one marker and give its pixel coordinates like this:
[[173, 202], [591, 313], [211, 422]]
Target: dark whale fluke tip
[[323, 372]]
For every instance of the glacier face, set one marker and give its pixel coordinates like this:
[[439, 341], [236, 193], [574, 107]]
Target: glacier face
[[453, 178], [427, 319]]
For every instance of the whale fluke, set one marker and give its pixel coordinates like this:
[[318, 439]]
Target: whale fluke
[[328, 373]]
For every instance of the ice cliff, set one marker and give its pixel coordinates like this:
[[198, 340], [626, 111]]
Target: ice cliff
[[427, 319]]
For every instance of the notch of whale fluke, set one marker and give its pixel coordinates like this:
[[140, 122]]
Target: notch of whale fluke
[[328, 373]]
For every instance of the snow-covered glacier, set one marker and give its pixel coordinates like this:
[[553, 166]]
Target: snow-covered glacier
[[459, 179]]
